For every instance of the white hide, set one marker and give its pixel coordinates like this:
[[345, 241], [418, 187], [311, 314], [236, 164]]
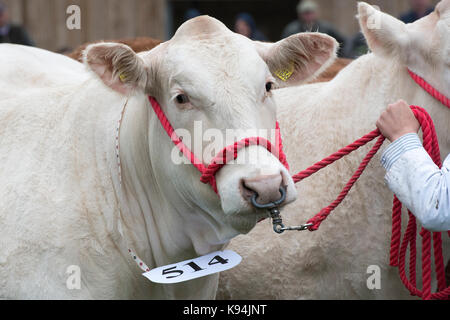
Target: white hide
[[35, 69], [61, 203], [316, 120]]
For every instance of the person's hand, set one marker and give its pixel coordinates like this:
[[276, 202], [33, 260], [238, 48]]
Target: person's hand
[[397, 120]]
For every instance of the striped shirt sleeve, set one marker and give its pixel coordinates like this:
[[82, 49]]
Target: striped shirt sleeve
[[418, 183], [396, 149]]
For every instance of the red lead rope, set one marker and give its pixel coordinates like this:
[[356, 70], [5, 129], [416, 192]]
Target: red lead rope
[[323, 214], [398, 246], [430, 89]]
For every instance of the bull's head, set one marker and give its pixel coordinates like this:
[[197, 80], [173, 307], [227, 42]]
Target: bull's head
[[210, 77]]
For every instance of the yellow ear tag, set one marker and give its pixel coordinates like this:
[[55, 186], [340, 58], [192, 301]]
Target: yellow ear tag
[[122, 77], [285, 74]]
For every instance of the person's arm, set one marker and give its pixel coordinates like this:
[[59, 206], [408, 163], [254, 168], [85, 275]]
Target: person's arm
[[418, 183], [411, 174]]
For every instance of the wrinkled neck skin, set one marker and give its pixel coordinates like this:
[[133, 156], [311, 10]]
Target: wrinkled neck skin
[[159, 222]]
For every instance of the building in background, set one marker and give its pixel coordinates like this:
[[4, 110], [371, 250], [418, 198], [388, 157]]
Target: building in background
[[45, 20]]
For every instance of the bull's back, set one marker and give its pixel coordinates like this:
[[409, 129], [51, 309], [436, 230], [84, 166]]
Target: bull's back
[[25, 68]]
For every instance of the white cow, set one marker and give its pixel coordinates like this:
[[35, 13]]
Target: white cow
[[61, 201], [316, 120]]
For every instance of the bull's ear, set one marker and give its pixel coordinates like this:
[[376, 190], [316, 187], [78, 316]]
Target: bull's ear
[[384, 33], [298, 58], [117, 65]]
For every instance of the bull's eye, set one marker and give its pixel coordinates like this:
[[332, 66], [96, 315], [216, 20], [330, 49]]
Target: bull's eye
[[182, 99], [269, 86]]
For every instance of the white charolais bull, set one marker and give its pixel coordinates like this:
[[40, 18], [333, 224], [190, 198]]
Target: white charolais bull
[[61, 202], [316, 120]]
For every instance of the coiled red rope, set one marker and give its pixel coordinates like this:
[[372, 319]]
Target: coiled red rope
[[398, 246]]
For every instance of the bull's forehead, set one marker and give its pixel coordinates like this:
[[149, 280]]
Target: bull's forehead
[[206, 45], [231, 55], [227, 66]]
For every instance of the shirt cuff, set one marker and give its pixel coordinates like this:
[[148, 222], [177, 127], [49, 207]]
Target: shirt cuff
[[396, 149]]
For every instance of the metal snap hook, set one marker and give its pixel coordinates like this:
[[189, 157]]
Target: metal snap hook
[[298, 228], [275, 214], [277, 222]]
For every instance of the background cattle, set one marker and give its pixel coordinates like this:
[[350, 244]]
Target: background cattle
[[318, 119]]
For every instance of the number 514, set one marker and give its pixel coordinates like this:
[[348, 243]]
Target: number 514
[[173, 272]]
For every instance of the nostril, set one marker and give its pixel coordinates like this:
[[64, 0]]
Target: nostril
[[266, 187], [246, 192]]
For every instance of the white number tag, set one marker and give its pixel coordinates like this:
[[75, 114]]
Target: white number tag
[[195, 268]]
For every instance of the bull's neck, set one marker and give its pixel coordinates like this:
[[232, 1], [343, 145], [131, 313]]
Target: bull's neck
[[159, 223], [382, 81], [400, 85]]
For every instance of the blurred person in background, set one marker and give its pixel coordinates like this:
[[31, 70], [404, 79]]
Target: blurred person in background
[[246, 25], [309, 21], [419, 9], [357, 45], [11, 33]]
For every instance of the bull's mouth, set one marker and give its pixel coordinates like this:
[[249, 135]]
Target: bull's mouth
[[244, 222]]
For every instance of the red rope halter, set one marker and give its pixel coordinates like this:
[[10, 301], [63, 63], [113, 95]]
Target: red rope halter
[[223, 157], [398, 246]]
